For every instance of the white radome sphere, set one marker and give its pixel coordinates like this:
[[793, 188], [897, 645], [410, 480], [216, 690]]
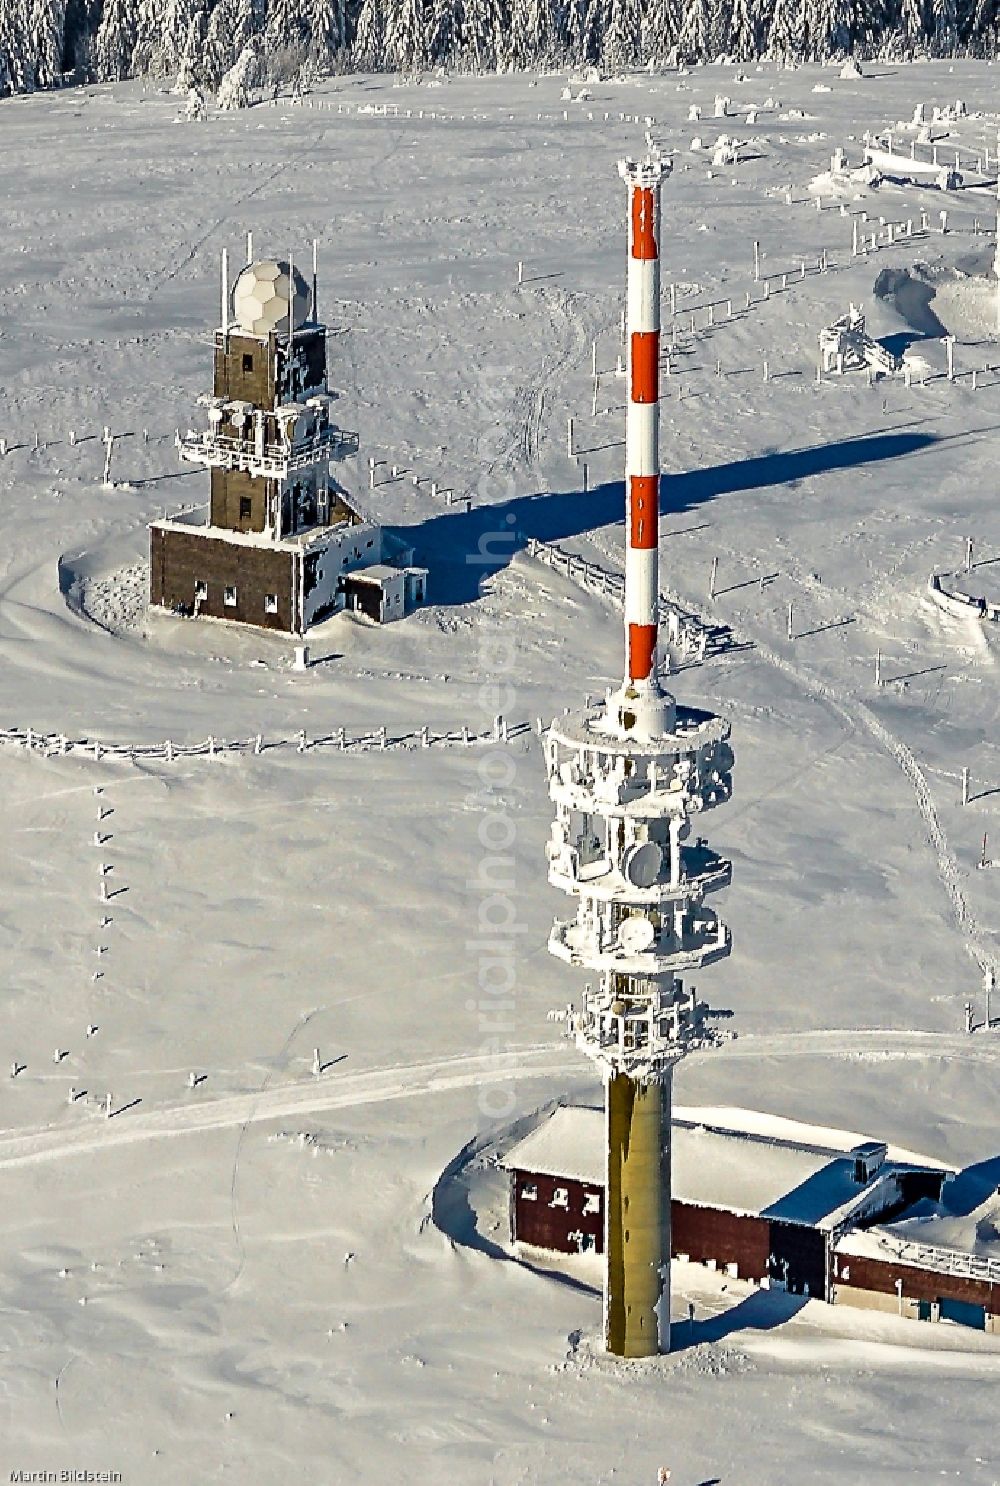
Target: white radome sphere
[[260, 298]]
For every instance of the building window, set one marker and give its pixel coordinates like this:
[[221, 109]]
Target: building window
[[591, 1202], [270, 603], [246, 508], [200, 589], [247, 361], [229, 597], [560, 1197]]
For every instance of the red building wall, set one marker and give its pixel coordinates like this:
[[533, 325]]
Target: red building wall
[[918, 1284], [759, 1247], [547, 1224], [712, 1233]]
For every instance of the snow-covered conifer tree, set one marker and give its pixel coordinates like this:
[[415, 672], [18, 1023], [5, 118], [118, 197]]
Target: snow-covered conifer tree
[[720, 28], [17, 60], [221, 45], [191, 71], [694, 36], [369, 37], [115, 40], [48, 27], [148, 23], [786, 38], [405, 35], [622, 40], [744, 37], [836, 27], [945, 28], [912, 24], [531, 36], [481, 31], [287, 29], [980, 30], [583, 22], [442, 27], [327, 23], [172, 35], [660, 25], [867, 24], [241, 84]]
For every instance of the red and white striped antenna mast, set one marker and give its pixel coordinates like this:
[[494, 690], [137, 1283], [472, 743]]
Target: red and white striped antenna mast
[[642, 423]]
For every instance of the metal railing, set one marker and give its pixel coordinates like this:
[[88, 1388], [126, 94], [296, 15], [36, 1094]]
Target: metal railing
[[273, 460]]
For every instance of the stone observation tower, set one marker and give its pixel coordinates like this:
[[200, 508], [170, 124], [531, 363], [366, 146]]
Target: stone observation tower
[[625, 778], [283, 546]]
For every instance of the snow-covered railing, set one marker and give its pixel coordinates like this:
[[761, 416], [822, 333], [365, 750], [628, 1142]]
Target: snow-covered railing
[[956, 1262], [683, 628], [944, 154], [272, 460], [340, 740]]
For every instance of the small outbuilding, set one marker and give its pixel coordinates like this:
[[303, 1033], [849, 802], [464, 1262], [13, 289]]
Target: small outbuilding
[[385, 593]]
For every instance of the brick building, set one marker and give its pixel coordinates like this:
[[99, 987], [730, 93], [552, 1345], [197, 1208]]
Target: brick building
[[281, 535], [817, 1212]]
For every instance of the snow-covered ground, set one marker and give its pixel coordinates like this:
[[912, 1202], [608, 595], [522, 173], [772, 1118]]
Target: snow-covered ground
[[242, 1279]]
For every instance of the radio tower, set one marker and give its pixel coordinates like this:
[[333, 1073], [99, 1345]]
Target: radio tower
[[625, 778]]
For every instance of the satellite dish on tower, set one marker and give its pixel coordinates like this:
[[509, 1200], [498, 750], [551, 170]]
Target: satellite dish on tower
[[643, 864], [636, 935]]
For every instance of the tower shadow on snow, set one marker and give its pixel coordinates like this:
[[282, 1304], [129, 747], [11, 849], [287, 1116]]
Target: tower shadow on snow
[[462, 549], [764, 1310]]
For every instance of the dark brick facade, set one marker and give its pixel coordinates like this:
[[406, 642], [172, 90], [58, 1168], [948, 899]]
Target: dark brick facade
[[546, 1223], [180, 560], [712, 1233], [761, 1248], [246, 369], [239, 501]]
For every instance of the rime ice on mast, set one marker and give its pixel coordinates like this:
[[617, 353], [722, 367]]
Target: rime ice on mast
[[626, 778]]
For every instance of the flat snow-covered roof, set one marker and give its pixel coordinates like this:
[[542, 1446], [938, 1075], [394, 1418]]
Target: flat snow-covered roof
[[570, 1142], [376, 572], [740, 1160]]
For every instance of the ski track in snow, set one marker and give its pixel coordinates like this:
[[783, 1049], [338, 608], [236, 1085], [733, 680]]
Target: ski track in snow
[[336, 1091], [462, 1071]]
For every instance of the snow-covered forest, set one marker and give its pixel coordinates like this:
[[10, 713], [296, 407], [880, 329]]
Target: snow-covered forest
[[45, 42]]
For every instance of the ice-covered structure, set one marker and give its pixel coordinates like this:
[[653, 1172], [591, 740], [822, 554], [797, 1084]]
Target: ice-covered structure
[[845, 345], [282, 540], [625, 778]]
